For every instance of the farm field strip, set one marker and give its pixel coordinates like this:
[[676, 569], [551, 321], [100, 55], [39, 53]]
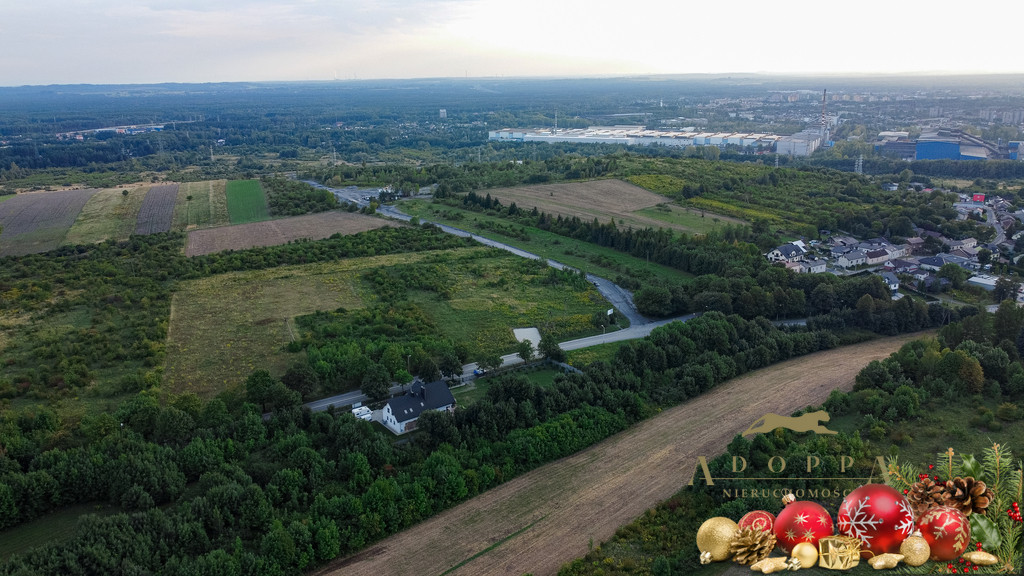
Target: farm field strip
[[602, 199], [157, 210], [208, 206], [221, 326], [592, 493], [110, 213], [280, 231], [247, 201], [39, 221]]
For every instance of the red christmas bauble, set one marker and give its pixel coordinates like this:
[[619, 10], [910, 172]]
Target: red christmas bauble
[[758, 520], [947, 531], [879, 516], [801, 522]]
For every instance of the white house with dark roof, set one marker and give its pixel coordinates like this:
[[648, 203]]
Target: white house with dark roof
[[850, 259], [787, 253], [812, 267], [891, 281], [400, 414]]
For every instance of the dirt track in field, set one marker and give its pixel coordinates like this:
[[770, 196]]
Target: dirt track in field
[[564, 504]]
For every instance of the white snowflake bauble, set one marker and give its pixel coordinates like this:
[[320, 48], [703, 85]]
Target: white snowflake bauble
[[879, 516]]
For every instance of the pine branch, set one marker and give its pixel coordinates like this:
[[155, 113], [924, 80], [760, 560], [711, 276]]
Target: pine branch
[[944, 464], [901, 476]]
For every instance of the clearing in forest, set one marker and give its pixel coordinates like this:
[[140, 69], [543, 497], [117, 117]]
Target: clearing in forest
[[225, 326], [606, 200], [109, 214], [208, 205], [544, 518], [246, 201], [280, 231], [38, 221]]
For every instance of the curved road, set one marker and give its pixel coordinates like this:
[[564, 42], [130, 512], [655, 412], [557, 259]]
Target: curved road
[[620, 298]]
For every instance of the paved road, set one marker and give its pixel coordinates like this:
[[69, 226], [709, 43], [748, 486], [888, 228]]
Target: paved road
[[991, 220], [620, 298], [509, 360]]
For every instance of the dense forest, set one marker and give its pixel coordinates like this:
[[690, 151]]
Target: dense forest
[[212, 487]]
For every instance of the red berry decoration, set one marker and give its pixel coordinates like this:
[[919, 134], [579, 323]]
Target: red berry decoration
[[947, 532], [801, 522], [758, 520], [879, 516]]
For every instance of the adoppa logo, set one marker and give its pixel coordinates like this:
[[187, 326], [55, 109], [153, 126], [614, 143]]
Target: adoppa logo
[[809, 422]]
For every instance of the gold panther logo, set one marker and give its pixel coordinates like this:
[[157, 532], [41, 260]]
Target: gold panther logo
[[810, 422]]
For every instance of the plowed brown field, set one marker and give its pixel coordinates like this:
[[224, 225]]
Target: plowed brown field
[[564, 504], [275, 232]]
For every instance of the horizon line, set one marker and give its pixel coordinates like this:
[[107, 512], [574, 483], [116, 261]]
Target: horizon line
[[634, 75]]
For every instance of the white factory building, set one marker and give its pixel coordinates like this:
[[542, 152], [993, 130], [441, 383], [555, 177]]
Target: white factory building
[[634, 135]]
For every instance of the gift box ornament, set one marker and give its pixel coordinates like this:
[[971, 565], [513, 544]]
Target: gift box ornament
[[838, 552]]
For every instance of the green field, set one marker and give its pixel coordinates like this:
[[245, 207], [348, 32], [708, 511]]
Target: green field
[[57, 526], [601, 352], [590, 258], [225, 326], [470, 393], [491, 296], [108, 214], [208, 207], [246, 201], [696, 221]]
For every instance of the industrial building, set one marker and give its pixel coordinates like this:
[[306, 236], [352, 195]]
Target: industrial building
[[943, 145], [635, 136], [800, 144]]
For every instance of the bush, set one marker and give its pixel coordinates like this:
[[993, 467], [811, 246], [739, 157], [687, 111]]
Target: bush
[[1008, 411]]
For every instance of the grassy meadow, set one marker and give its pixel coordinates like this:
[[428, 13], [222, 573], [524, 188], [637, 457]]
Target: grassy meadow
[[109, 214], [208, 207], [694, 221], [246, 201], [223, 327], [599, 260], [477, 389], [57, 526]]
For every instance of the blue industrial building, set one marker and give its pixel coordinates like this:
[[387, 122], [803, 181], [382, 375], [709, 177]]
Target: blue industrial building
[[937, 150]]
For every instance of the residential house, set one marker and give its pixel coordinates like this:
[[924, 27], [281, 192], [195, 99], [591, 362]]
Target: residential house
[[983, 281], [931, 263], [915, 245], [891, 281], [878, 256], [812, 267], [400, 414], [787, 253], [851, 259], [965, 243], [901, 266]]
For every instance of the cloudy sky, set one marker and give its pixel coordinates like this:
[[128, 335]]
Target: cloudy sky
[[141, 41]]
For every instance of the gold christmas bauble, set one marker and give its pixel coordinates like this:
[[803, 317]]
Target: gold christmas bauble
[[915, 550], [806, 553], [714, 537]]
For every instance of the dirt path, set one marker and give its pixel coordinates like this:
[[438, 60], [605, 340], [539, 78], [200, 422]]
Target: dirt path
[[547, 517]]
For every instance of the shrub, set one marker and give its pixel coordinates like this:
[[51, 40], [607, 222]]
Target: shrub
[[1008, 411]]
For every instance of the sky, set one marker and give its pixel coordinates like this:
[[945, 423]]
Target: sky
[[151, 41]]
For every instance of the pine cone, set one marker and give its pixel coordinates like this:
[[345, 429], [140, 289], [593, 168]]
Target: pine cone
[[751, 545], [967, 495], [925, 494]]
